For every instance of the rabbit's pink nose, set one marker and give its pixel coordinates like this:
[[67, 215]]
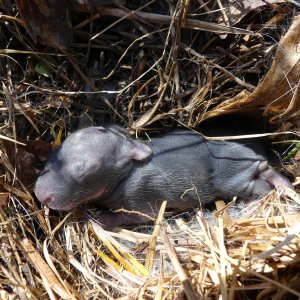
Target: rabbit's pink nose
[[45, 197]]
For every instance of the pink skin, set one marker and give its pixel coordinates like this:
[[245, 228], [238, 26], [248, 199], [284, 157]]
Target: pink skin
[[268, 178], [268, 174], [108, 167], [48, 199]]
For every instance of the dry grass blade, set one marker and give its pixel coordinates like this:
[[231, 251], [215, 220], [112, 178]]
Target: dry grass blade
[[126, 260], [10, 140], [152, 242], [46, 273], [149, 66], [162, 19], [183, 277]]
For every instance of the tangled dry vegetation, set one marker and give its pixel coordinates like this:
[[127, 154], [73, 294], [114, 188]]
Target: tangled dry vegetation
[[147, 65]]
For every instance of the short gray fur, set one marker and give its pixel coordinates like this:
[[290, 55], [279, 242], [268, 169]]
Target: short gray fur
[[108, 167]]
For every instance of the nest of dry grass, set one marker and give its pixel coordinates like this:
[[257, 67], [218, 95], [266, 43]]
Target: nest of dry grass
[[148, 65]]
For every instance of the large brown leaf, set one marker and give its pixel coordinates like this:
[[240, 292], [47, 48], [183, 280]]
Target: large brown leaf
[[278, 94]]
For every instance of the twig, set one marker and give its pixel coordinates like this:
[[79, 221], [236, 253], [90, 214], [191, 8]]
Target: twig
[[163, 19]]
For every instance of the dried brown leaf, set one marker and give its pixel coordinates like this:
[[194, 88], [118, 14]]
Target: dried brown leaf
[[236, 10], [277, 94]]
